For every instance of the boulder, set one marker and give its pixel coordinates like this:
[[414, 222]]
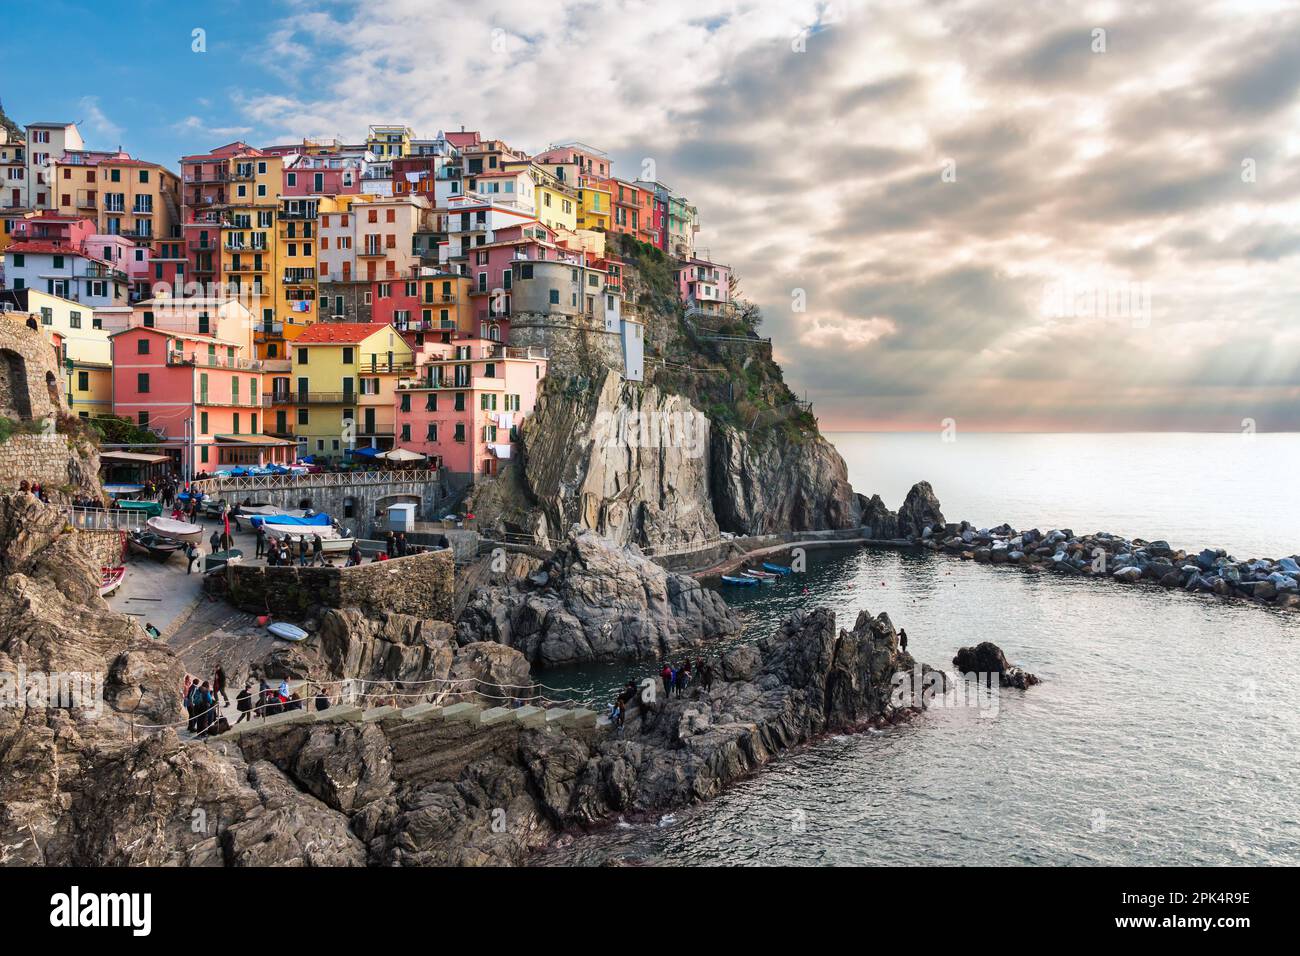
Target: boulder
[[920, 510]]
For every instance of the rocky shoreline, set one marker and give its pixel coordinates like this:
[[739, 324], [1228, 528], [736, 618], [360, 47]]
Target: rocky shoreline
[[1274, 582]]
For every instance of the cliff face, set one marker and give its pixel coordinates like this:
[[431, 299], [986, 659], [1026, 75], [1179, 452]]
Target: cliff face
[[765, 486], [627, 461]]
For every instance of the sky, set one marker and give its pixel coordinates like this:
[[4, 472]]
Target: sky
[[1013, 215]]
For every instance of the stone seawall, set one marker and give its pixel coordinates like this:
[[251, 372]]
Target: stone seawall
[[421, 585]]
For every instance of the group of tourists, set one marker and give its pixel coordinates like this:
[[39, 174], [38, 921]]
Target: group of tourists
[[309, 550], [205, 701], [201, 703], [35, 488], [675, 678]]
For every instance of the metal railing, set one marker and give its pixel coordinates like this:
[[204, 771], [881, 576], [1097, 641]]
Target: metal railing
[[224, 486], [101, 519]]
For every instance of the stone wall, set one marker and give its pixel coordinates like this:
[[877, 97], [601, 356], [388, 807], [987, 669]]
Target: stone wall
[[575, 344], [30, 383], [421, 585], [105, 547], [52, 461]]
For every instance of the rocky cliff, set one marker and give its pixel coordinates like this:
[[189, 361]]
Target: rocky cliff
[[596, 601], [712, 441]]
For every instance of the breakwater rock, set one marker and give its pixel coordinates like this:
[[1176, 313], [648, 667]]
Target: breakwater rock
[[987, 658], [1131, 561], [594, 600]]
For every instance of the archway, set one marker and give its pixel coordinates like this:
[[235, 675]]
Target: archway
[[14, 394]]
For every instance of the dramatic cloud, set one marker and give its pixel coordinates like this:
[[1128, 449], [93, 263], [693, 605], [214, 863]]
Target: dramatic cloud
[[959, 188]]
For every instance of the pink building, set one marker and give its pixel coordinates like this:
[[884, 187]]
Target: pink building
[[195, 389], [464, 409], [705, 286], [322, 175]]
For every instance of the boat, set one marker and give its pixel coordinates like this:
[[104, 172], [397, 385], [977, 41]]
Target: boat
[[297, 531], [286, 631], [112, 580], [151, 508], [728, 579], [761, 575], [777, 568], [336, 545], [176, 530], [302, 520], [157, 547]]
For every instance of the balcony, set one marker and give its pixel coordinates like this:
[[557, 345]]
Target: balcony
[[219, 175], [323, 398], [279, 398], [370, 251], [214, 361], [299, 276]]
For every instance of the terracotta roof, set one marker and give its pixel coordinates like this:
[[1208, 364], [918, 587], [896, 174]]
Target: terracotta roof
[[326, 333], [54, 248]]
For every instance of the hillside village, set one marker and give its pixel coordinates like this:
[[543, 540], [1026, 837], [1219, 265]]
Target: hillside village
[[326, 303]]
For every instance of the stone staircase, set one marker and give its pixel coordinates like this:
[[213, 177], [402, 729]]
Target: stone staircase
[[471, 714]]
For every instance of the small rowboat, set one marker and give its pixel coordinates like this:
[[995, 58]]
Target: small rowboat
[[728, 579], [176, 530], [777, 568], [112, 580], [158, 548], [761, 575], [286, 631]]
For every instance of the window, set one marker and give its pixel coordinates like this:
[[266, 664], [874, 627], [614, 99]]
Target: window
[[142, 382], [460, 402], [431, 402], [555, 297], [74, 319], [302, 356], [347, 356], [47, 316], [302, 416], [406, 402], [203, 423], [83, 381], [406, 432], [142, 418], [142, 346], [432, 433]]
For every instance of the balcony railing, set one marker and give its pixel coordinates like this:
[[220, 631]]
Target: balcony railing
[[323, 398], [214, 361]]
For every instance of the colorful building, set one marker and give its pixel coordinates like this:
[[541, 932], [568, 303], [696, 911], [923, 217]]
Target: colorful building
[[344, 379], [46, 143], [200, 391], [125, 196], [463, 411]]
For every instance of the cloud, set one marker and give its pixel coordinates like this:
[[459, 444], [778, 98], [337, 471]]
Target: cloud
[[96, 128], [821, 170]]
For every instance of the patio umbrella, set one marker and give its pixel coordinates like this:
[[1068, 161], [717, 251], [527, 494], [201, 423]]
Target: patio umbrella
[[401, 454]]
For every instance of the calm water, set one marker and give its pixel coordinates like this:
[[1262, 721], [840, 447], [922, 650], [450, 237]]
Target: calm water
[[1194, 490], [1166, 731]]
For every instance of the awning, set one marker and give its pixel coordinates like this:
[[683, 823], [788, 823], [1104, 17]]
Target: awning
[[255, 439], [401, 454], [369, 452], [133, 457]]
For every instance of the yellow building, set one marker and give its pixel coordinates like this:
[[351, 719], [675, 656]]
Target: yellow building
[[124, 196], [557, 205], [250, 266], [594, 198], [344, 377], [84, 346], [389, 142]]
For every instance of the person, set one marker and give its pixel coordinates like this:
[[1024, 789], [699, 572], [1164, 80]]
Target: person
[[215, 542], [261, 542], [191, 690], [322, 699], [283, 689], [302, 551], [902, 638], [244, 704], [354, 555], [192, 556], [706, 675], [400, 545], [31, 323], [153, 632], [219, 684], [616, 713], [667, 676], [317, 550], [205, 705], [227, 542], [381, 556], [390, 544], [284, 552]]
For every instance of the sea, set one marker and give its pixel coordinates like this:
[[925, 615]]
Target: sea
[[1166, 730]]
